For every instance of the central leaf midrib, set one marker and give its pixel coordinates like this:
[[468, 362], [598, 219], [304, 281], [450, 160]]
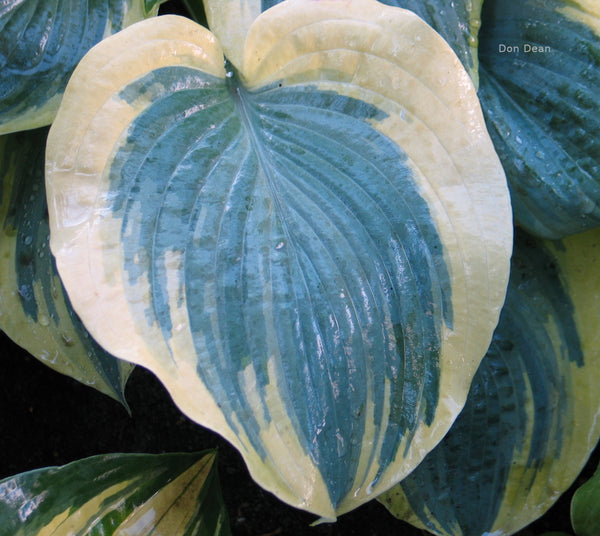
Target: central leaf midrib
[[240, 98]]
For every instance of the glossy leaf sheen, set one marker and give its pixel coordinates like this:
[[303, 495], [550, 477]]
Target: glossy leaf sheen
[[276, 242], [542, 109], [530, 421], [117, 494], [41, 42], [34, 309]]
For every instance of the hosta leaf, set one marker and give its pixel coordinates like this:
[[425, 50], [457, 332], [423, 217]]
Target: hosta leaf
[[531, 418], [34, 309], [540, 90], [585, 507], [41, 42], [457, 21], [117, 494], [310, 256]]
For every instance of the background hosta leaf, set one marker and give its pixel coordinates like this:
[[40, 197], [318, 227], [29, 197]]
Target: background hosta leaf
[[117, 494], [540, 90], [41, 42], [312, 257], [230, 21], [531, 418], [585, 507], [34, 309]]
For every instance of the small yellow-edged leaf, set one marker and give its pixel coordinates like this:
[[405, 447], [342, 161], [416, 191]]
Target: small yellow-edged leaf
[[117, 495]]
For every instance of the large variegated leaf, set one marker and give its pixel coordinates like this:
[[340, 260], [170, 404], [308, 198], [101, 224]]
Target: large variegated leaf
[[41, 42], [310, 252], [540, 90], [34, 309], [457, 21], [117, 495], [532, 415]]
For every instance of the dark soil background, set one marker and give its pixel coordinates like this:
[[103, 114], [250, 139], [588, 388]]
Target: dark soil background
[[49, 419]]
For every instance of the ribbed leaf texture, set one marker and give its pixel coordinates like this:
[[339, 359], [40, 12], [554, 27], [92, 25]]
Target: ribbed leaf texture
[[311, 257]]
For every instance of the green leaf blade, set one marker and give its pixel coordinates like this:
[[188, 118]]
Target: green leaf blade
[[585, 511]]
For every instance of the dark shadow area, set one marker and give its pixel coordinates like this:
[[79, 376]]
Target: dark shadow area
[[49, 419]]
